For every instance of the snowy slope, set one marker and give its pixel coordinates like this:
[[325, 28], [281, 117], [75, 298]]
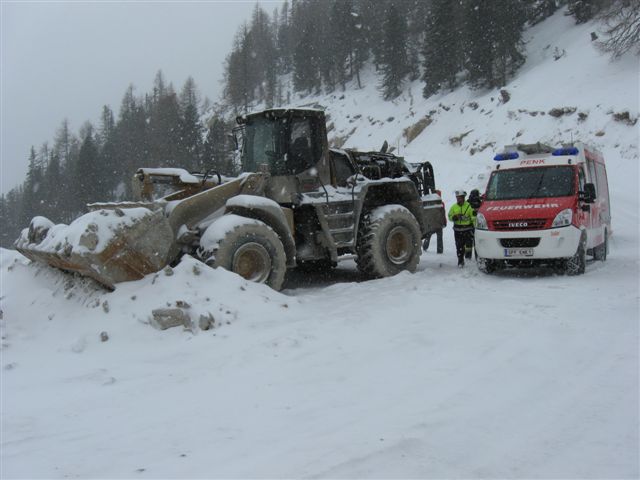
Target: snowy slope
[[443, 373]]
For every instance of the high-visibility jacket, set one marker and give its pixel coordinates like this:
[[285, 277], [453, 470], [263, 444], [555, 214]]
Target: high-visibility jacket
[[467, 218]]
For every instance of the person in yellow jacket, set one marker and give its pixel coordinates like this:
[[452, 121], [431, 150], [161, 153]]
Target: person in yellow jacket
[[463, 217]]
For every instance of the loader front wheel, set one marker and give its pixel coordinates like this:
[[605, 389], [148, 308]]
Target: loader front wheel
[[253, 251], [388, 242]]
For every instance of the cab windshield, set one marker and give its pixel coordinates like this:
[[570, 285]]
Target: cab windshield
[[539, 182], [285, 145], [263, 143]]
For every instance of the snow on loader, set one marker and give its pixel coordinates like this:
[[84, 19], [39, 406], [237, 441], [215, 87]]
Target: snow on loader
[[299, 204]]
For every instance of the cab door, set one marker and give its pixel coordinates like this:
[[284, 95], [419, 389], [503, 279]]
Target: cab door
[[591, 209]]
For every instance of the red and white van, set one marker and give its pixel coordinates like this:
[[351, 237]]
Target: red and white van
[[544, 206]]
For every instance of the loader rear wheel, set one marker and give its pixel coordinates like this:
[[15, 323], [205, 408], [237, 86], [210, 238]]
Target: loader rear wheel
[[253, 251], [388, 242]]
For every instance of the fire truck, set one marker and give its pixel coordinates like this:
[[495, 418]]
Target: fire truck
[[544, 206]]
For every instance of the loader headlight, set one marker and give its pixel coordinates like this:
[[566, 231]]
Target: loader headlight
[[481, 222], [563, 219]]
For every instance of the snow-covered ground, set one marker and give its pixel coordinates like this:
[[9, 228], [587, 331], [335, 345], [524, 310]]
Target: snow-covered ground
[[441, 373]]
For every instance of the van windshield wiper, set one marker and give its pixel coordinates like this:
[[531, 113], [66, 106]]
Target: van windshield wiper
[[536, 191]]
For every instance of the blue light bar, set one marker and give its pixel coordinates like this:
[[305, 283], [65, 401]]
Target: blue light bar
[[565, 151], [506, 156]]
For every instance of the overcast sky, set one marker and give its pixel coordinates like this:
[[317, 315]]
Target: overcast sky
[[68, 59]]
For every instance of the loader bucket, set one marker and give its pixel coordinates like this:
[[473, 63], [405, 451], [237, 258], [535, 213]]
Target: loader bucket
[[109, 245]]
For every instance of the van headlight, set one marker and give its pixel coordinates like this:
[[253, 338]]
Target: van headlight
[[481, 222], [563, 218]]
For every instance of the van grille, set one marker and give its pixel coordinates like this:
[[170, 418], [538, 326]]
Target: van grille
[[520, 224], [519, 242]]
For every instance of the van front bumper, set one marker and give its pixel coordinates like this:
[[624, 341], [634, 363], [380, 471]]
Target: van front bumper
[[527, 245]]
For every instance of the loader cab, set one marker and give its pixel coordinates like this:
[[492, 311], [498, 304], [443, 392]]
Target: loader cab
[[288, 144]]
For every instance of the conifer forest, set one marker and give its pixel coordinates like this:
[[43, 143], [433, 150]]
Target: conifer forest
[[303, 47]]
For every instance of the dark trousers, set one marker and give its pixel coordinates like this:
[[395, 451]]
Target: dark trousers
[[464, 243], [427, 241]]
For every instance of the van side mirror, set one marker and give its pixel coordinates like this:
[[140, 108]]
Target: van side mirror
[[589, 193]]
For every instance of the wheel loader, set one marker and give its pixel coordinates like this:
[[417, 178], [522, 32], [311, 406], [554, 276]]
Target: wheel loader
[[297, 204]]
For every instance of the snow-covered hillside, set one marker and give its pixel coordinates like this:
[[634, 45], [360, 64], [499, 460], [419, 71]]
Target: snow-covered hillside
[[441, 373]]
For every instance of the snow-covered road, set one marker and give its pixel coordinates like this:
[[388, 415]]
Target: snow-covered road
[[444, 373]]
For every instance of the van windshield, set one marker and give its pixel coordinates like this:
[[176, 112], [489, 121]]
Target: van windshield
[[539, 182]]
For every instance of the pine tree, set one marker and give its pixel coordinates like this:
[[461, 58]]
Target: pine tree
[[63, 141], [341, 43], [283, 43], [53, 181], [31, 205], [190, 126], [130, 140], [538, 10], [159, 87], [373, 17], [237, 90], [263, 52], [585, 10], [510, 17], [7, 233], [441, 50], [87, 174], [217, 150], [12, 217], [305, 62], [164, 131], [66, 148], [416, 15], [360, 52], [479, 30], [493, 40], [393, 58], [108, 155]]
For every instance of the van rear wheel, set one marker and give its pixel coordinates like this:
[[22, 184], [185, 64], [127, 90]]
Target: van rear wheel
[[600, 252]]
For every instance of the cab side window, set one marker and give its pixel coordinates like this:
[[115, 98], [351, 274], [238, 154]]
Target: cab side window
[[305, 149], [342, 167]]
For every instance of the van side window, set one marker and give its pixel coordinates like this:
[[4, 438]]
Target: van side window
[[603, 189], [601, 184], [581, 180], [592, 173]]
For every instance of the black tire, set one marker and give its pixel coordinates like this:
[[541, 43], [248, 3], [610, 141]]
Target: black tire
[[253, 251], [388, 242], [486, 265], [600, 252], [577, 264]]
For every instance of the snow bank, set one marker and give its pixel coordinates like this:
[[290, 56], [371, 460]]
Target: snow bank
[[92, 231]]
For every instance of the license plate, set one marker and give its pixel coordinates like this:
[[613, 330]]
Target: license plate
[[518, 252]]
